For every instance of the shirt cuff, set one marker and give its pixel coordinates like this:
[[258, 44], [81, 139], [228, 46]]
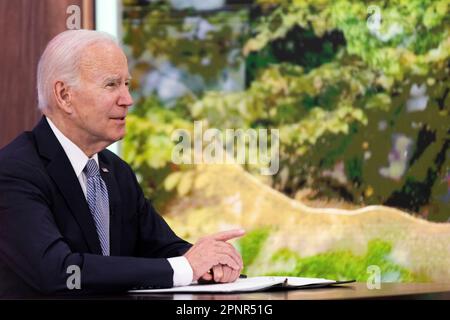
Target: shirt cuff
[[182, 271]]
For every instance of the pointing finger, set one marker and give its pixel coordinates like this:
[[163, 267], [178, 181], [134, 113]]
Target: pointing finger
[[227, 235]]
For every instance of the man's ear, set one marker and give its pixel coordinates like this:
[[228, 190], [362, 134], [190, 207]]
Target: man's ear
[[63, 96]]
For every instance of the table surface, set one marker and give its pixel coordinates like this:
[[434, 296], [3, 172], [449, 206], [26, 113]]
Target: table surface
[[357, 290]]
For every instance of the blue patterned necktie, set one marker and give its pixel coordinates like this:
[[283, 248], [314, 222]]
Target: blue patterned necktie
[[98, 201]]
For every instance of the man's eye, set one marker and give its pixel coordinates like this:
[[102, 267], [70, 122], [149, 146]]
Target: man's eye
[[110, 84], [127, 83]]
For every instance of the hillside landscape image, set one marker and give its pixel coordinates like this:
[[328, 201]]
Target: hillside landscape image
[[358, 94]]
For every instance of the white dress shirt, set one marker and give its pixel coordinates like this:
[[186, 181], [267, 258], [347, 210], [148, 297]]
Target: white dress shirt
[[182, 271]]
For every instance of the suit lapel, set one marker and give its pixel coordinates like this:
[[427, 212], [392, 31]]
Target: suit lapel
[[62, 173], [107, 174]]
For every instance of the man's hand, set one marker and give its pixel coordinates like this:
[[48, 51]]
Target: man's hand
[[220, 273], [212, 251]]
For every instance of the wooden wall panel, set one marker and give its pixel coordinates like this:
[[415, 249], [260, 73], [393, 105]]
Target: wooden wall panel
[[26, 26]]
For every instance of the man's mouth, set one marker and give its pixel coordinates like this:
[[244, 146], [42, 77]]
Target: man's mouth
[[118, 118]]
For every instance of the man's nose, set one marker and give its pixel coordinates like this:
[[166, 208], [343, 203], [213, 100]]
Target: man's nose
[[125, 99]]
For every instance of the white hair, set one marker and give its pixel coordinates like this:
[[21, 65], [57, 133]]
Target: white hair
[[61, 60]]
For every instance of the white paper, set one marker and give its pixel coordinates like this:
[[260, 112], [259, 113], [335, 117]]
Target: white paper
[[242, 285]]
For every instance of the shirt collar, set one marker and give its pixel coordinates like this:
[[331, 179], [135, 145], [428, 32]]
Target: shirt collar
[[76, 156]]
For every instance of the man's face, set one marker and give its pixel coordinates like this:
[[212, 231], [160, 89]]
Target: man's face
[[101, 101]]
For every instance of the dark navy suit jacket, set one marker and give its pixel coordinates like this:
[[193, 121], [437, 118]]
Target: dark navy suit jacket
[[46, 225]]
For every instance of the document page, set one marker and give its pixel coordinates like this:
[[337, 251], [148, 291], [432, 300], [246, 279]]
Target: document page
[[243, 285]]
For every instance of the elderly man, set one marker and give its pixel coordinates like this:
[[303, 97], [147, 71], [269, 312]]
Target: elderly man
[[67, 204]]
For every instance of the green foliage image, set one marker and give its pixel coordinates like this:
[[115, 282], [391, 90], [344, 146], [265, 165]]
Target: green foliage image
[[359, 91], [339, 265]]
